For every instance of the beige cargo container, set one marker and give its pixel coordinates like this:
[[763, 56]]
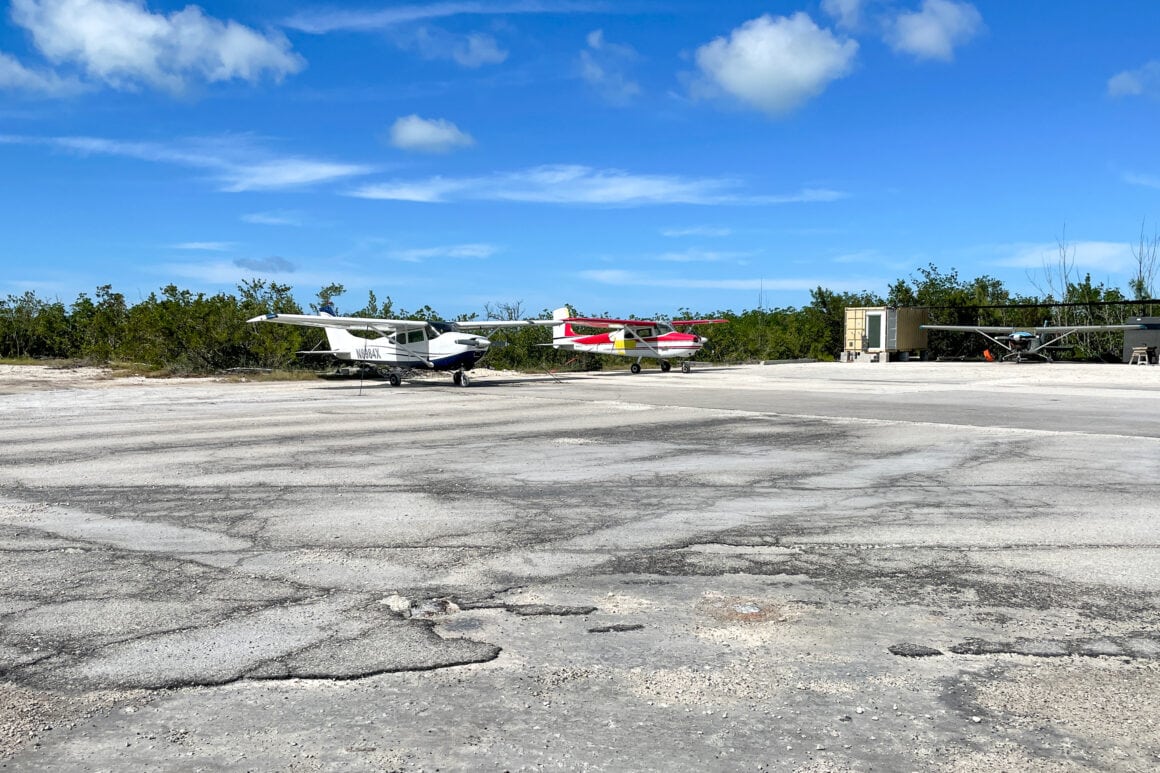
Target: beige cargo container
[[884, 333]]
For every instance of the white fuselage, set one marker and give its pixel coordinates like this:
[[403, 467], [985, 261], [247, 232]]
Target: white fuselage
[[426, 347]]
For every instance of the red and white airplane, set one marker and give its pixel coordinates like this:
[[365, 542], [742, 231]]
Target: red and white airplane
[[638, 338]]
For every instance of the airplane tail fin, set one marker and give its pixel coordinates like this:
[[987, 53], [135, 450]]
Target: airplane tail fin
[[338, 338], [562, 329]]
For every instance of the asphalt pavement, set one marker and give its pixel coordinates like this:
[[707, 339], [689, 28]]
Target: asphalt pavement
[[809, 567]]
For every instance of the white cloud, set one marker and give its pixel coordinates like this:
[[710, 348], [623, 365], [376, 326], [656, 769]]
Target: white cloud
[[272, 218], [16, 77], [575, 184], [270, 265], [1144, 180], [1144, 80], [473, 50], [774, 63], [696, 255], [604, 66], [696, 231], [320, 22], [847, 13], [232, 162], [936, 29], [1102, 256], [121, 44], [285, 173], [428, 135], [457, 251]]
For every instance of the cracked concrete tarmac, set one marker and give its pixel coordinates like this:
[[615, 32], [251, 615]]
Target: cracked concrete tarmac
[[914, 566]]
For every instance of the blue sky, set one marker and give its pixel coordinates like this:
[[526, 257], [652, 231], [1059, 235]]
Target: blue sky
[[626, 156]]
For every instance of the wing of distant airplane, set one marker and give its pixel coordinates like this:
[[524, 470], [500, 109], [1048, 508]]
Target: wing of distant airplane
[[1040, 330], [392, 325], [633, 323], [347, 323], [492, 324]]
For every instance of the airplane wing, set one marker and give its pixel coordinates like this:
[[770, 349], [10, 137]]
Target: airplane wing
[[634, 323], [347, 323], [679, 322], [492, 324], [605, 322], [1048, 329]]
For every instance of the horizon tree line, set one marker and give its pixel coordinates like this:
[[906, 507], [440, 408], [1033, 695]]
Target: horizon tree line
[[182, 332]]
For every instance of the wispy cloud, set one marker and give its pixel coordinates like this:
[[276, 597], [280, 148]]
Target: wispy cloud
[[455, 251], [774, 64], [279, 217], [695, 255], [473, 49], [936, 29], [575, 184], [122, 45], [1143, 81], [331, 20], [1144, 180], [635, 279], [269, 265], [847, 13], [1103, 256], [604, 66], [14, 76], [428, 135], [233, 162]]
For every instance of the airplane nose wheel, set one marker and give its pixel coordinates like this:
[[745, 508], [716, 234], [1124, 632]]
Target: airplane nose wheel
[[635, 367], [686, 367], [461, 379], [666, 366]]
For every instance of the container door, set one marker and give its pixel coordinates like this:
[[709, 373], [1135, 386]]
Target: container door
[[874, 331]]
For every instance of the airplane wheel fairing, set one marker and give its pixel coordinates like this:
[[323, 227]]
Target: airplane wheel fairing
[[635, 367], [394, 379], [686, 367], [666, 366]]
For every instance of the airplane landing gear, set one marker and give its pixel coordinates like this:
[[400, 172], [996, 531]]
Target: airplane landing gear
[[634, 368], [394, 380], [686, 367], [666, 366], [461, 379]]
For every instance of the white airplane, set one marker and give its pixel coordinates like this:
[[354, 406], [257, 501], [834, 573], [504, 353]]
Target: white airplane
[[639, 338], [1026, 345], [401, 346]]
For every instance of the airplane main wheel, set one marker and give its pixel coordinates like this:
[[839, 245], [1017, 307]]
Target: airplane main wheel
[[686, 367], [635, 367], [394, 379], [666, 366]]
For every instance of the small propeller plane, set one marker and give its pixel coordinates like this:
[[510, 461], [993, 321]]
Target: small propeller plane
[[639, 338], [1028, 345], [402, 346]]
